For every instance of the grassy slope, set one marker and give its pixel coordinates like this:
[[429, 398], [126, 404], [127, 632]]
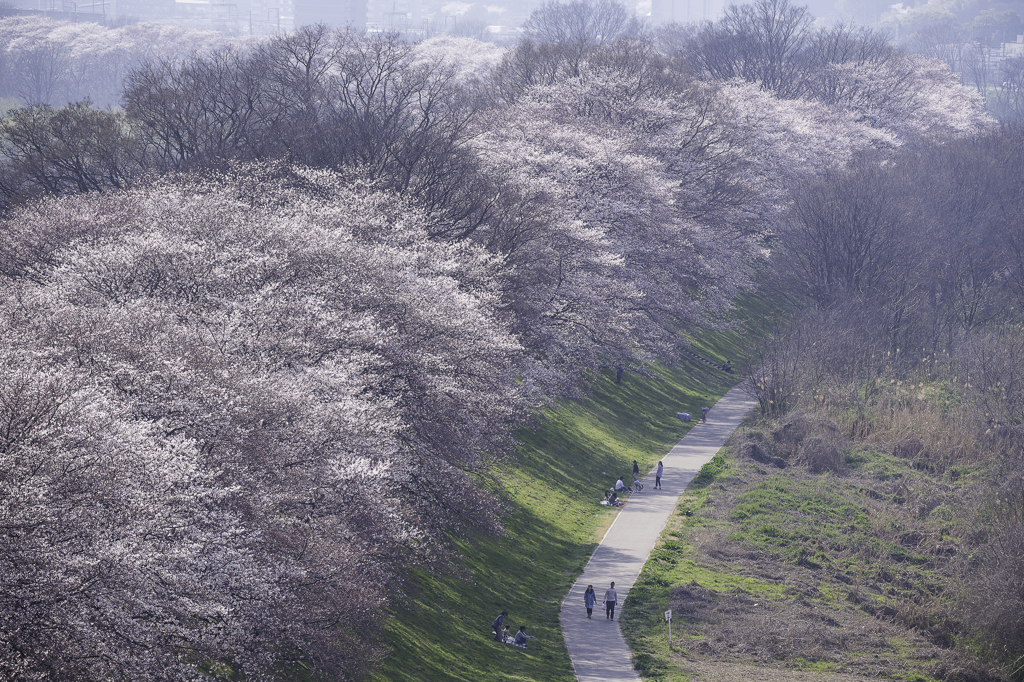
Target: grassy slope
[[841, 551], [553, 524]]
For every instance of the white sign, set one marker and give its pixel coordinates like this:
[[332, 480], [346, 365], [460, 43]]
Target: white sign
[[668, 615]]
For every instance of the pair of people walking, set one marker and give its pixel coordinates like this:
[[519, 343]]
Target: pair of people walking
[[610, 599]]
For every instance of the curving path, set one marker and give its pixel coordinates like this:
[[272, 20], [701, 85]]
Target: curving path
[[596, 646]]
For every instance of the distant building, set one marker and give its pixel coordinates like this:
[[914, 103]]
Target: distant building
[[94, 11], [339, 13], [393, 15], [97, 11], [671, 11], [685, 11], [239, 17], [1013, 49]]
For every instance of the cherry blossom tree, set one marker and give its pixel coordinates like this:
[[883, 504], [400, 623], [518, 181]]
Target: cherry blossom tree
[[320, 380], [611, 252], [774, 45]]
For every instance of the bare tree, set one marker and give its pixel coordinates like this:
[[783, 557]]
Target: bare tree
[[1009, 96], [580, 25], [832, 51], [40, 71], [847, 235], [944, 39], [976, 68], [73, 149], [324, 98], [762, 43], [558, 39], [199, 111], [775, 366]]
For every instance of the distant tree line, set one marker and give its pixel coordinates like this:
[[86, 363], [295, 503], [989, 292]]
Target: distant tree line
[[270, 325], [45, 61], [969, 40]]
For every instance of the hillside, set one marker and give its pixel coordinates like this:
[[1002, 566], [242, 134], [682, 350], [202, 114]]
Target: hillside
[[552, 524], [835, 544], [848, 563]]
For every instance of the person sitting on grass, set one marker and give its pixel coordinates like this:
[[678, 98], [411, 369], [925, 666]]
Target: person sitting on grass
[[506, 636], [619, 485], [521, 636]]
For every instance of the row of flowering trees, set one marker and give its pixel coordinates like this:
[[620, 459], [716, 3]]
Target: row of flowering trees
[[235, 408], [269, 326], [45, 61]]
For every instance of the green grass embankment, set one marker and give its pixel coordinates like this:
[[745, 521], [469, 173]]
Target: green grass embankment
[[442, 632], [844, 573]]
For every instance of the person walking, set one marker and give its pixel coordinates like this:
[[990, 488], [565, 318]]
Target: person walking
[[636, 470], [589, 597], [496, 626], [610, 597], [657, 476], [704, 414]]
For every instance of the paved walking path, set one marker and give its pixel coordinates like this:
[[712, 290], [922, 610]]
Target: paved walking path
[[596, 646]]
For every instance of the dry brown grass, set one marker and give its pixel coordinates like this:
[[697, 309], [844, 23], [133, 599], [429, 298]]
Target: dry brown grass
[[871, 609]]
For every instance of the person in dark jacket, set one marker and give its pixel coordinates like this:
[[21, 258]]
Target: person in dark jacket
[[496, 625], [588, 599], [521, 636], [636, 470]]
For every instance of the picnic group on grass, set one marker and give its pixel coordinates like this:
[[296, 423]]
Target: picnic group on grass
[[501, 632]]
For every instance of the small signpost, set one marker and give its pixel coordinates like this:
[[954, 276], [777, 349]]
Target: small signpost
[[668, 619]]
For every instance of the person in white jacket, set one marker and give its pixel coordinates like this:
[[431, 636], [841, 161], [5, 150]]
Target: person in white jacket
[[610, 597]]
